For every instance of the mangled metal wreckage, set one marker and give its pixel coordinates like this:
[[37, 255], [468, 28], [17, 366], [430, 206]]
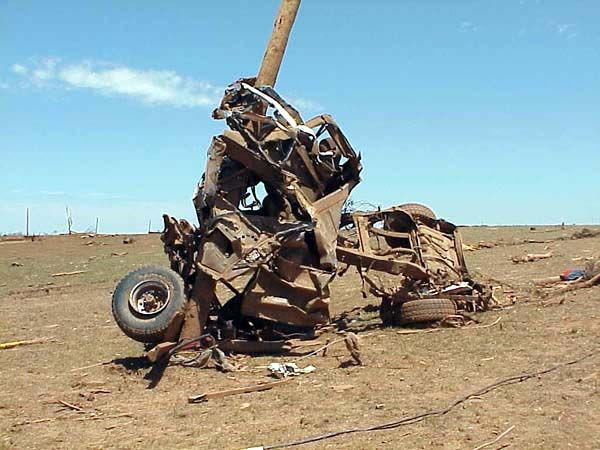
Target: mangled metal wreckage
[[269, 206], [276, 254], [272, 233], [413, 261]]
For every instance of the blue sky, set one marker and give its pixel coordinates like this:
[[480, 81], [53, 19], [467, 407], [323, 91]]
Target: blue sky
[[488, 111]]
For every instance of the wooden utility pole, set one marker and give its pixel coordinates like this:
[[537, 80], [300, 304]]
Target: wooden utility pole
[[69, 220], [27, 224], [267, 75], [198, 307]]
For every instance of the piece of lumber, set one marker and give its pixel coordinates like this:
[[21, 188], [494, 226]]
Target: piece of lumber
[[13, 344], [71, 406], [101, 363], [64, 274], [548, 280], [243, 390], [160, 350], [531, 257]]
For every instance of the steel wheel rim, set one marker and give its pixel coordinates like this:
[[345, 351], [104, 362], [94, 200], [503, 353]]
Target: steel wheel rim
[[150, 297]]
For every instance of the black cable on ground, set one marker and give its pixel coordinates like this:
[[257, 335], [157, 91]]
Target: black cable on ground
[[435, 412]]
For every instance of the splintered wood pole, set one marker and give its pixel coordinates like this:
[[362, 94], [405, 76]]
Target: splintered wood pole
[[267, 75]]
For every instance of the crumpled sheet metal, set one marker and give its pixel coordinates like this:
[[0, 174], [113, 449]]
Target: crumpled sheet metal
[[424, 258], [287, 240]]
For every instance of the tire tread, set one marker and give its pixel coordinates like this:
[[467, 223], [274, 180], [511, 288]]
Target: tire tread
[[155, 329]]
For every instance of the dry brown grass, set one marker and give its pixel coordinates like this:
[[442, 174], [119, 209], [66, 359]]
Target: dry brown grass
[[404, 373]]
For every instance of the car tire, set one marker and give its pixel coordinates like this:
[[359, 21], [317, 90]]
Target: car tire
[[425, 310], [418, 211], [146, 301]]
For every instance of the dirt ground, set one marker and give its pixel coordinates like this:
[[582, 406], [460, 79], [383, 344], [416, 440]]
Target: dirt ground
[[403, 374]]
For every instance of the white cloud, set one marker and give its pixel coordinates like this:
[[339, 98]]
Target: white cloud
[[151, 87], [567, 30], [562, 28], [104, 196], [467, 27], [304, 104], [46, 71], [19, 69], [148, 86]]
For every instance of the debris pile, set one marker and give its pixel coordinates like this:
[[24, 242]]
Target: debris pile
[[585, 233], [269, 208], [424, 256], [269, 205], [530, 257], [570, 280]]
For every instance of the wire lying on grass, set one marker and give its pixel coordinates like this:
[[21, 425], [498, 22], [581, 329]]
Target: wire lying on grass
[[434, 412]]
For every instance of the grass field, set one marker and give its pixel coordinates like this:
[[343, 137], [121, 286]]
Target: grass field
[[402, 375]]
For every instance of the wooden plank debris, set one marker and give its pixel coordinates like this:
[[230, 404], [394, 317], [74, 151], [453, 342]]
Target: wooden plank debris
[[243, 390], [64, 274]]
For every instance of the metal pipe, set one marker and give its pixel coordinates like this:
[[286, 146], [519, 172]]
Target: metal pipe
[[267, 75]]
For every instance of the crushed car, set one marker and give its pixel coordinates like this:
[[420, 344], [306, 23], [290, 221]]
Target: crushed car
[[413, 261], [269, 207]]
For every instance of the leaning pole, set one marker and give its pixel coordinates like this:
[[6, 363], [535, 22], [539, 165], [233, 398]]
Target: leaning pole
[[195, 316], [282, 27]]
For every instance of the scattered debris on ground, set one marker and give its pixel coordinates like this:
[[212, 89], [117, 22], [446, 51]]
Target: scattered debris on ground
[[413, 261], [441, 328], [585, 233], [570, 280], [65, 274], [530, 257], [243, 390], [408, 420], [7, 345], [288, 369], [479, 246]]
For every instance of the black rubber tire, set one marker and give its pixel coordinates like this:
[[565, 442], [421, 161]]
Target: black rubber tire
[[148, 328], [418, 211], [426, 310]]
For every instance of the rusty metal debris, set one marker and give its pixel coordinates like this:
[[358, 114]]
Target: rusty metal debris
[[413, 261], [269, 206], [257, 269]]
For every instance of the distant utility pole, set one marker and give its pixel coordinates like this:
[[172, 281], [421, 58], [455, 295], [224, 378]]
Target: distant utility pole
[[27, 224], [69, 220], [149, 226], [96, 230]]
